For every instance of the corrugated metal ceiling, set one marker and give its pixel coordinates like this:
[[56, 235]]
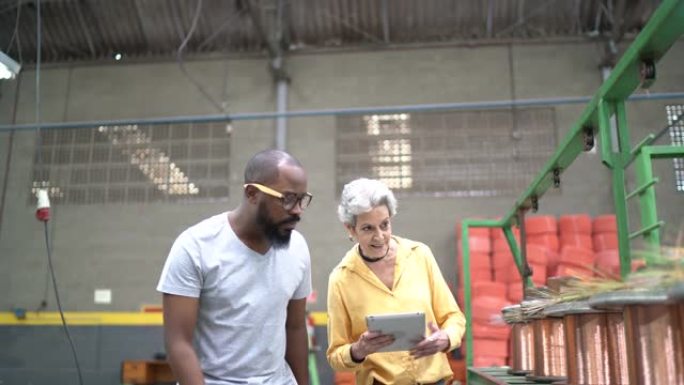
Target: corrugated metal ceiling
[[85, 30]]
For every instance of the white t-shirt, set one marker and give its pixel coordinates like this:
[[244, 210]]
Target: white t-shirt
[[240, 332]]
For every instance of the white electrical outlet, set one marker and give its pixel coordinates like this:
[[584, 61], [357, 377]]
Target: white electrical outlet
[[103, 296]]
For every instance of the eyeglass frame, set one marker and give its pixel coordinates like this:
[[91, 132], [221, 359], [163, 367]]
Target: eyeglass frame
[[277, 194]]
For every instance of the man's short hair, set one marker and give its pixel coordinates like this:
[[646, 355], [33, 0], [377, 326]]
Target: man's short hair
[[263, 167]]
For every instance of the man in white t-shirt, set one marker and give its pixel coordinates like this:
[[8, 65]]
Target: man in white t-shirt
[[235, 285]]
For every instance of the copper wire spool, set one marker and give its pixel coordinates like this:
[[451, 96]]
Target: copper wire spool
[[617, 348], [521, 343], [594, 352], [549, 350], [653, 334], [522, 348], [676, 295]]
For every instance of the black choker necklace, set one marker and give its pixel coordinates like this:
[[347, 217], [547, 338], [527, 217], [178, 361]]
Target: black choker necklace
[[371, 260]]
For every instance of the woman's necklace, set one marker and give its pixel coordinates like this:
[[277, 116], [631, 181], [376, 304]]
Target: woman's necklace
[[371, 260]]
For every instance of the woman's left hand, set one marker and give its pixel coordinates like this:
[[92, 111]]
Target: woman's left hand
[[436, 342]]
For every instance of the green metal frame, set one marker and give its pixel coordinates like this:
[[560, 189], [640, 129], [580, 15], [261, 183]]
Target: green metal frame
[[665, 26]]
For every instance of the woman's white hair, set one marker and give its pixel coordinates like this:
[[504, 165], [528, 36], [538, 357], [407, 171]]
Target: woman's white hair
[[361, 196]]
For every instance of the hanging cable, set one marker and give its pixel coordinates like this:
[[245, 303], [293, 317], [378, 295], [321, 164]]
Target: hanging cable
[[43, 215], [181, 65], [15, 33], [43, 204]]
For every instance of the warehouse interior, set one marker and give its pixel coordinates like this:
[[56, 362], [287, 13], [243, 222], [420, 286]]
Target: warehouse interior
[[456, 105]]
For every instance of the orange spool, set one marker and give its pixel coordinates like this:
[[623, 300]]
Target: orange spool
[[578, 223], [553, 259], [605, 224], [498, 233], [485, 232], [515, 292], [541, 224], [491, 289], [577, 255], [490, 347], [495, 332], [506, 275], [576, 239], [476, 275], [511, 276], [608, 261], [487, 309], [537, 254], [478, 245], [538, 273], [605, 241], [569, 269], [550, 241], [502, 260], [478, 261], [501, 244], [487, 361]]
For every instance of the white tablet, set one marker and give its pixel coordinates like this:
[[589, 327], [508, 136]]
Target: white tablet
[[407, 328]]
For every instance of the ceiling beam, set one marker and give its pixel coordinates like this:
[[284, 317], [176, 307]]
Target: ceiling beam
[[255, 13], [84, 28], [489, 22], [385, 21]]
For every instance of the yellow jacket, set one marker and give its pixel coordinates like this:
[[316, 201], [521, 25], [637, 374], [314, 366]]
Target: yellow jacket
[[354, 292]]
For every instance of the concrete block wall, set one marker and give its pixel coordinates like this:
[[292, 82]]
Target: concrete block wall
[[123, 247]]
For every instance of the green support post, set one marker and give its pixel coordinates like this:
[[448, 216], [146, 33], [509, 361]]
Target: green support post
[[647, 203], [313, 369], [617, 162], [465, 255], [619, 194]]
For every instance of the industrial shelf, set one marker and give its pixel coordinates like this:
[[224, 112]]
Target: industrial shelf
[[604, 117]]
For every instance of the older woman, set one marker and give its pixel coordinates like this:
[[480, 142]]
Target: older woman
[[380, 274]]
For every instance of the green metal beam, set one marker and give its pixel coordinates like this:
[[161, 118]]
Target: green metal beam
[[662, 152], [465, 255], [664, 27], [636, 68], [649, 214]]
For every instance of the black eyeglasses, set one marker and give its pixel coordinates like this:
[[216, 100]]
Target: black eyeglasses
[[288, 200]]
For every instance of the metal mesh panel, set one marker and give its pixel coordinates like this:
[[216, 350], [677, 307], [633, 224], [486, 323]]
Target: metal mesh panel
[[675, 114], [133, 164], [456, 153]]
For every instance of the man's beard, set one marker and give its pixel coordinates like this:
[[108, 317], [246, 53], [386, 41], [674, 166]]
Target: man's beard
[[279, 239]]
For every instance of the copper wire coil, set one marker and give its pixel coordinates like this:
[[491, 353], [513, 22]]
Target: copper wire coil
[[549, 348], [587, 353], [522, 348], [617, 348], [595, 348], [655, 343]]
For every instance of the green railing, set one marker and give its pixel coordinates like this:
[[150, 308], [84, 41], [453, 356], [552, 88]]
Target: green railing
[[635, 69]]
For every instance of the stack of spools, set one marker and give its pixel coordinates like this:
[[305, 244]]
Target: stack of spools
[[542, 230], [606, 244], [480, 263], [490, 332], [505, 270], [503, 265], [577, 251]]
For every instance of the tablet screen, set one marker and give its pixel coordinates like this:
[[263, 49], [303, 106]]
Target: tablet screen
[[407, 328]]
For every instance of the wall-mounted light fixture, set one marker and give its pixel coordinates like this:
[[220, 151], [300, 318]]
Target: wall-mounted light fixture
[[8, 67]]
